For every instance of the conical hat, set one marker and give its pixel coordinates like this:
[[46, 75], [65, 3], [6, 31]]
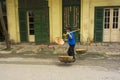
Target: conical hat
[[58, 40]]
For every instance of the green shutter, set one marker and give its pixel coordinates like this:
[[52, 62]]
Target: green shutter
[[70, 7], [22, 3], [37, 23], [98, 30], [41, 26], [23, 25]]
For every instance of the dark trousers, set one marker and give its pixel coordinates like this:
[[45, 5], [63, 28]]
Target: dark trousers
[[71, 51]]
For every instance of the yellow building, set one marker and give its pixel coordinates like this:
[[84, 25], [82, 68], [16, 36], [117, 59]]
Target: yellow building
[[41, 21]]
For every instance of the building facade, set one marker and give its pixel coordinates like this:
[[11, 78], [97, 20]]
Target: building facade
[[41, 21]]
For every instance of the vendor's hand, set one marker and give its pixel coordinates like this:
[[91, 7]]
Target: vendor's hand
[[67, 33], [64, 35]]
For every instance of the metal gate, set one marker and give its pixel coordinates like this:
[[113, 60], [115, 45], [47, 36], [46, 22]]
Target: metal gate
[[71, 15]]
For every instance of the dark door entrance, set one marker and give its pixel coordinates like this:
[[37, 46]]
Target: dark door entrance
[[4, 13], [71, 15]]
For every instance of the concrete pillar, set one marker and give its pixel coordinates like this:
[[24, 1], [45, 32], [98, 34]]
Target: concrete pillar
[[85, 20], [55, 8], [12, 15]]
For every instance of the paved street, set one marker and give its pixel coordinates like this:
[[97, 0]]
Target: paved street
[[40, 62], [52, 69]]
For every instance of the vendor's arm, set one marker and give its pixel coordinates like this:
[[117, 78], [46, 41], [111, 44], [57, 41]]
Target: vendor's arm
[[68, 33]]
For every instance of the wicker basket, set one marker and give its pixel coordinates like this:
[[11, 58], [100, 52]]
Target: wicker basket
[[65, 58], [81, 51]]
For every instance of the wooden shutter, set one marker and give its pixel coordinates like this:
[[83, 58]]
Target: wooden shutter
[[71, 16], [37, 23], [41, 25], [23, 25], [98, 30]]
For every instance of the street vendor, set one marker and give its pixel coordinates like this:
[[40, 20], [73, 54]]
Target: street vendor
[[71, 41]]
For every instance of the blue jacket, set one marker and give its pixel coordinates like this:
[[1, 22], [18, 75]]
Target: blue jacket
[[71, 41]]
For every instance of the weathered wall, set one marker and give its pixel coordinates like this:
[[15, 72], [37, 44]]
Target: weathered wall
[[55, 17], [87, 16], [12, 15]]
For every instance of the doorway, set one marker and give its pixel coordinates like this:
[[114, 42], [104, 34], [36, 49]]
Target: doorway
[[38, 25], [34, 21], [71, 16], [111, 28], [4, 13]]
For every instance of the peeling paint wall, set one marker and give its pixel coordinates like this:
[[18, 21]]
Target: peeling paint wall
[[12, 15], [55, 18], [87, 16]]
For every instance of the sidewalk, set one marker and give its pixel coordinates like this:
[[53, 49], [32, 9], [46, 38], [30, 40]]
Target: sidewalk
[[47, 54], [31, 48]]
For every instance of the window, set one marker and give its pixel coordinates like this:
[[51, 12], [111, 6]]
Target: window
[[106, 18], [31, 22], [115, 18], [111, 18]]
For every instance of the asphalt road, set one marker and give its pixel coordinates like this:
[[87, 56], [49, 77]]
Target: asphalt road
[[39, 69]]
